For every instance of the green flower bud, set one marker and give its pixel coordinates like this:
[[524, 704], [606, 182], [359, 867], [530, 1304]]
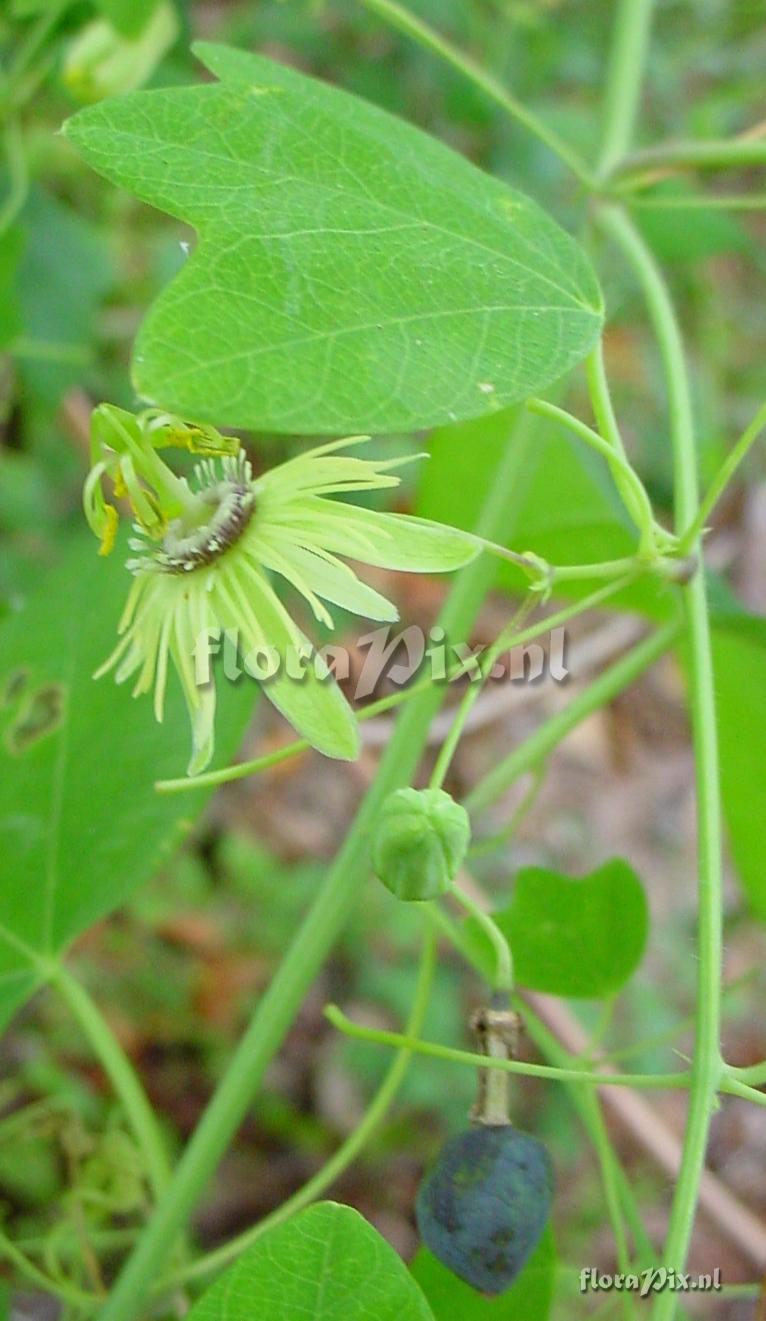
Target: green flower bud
[[102, 62], [420, 841]]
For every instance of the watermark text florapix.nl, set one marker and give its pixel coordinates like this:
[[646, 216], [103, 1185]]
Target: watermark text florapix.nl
[[397, 656]]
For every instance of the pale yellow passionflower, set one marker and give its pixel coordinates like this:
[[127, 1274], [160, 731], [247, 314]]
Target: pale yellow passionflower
[[207, 550]]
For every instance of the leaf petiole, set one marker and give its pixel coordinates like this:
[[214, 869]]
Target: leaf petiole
[[627, 480], [503, 980]]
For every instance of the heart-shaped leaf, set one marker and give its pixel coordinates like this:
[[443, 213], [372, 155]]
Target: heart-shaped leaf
[[581, 937], [325, 1264], [352, 272]]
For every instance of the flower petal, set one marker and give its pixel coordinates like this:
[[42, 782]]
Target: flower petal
[[203, 729], [321, 471], [320, 574], [325, 477], [389, 541], [306, 695], [285, 561]]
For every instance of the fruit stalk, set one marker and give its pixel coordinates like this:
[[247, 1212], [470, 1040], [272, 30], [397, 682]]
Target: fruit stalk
[[496, 1028]]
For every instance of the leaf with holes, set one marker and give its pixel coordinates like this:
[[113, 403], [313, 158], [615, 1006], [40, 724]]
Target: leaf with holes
[[81, 824], [351, 274]]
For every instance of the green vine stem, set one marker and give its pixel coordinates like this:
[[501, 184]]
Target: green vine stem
[[670, 1034], [121, 1074], [649, 1081], [735, 1087], [322, 924], [707, 1063], [755, 1074], [628, 482], [727, 1082], [722, 478], [626, 72], [622, 96], [39, 1280], [503, 979], [626, 567], [586, 1102], [548, 736], [601, 399], [346, 1153], [638, 168], [508, 637], [700, 201], [608, 427], [606, 1156], [491, 843], [400, 18], [610, 1170]]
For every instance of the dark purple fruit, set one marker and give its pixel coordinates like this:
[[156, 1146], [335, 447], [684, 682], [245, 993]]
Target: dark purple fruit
[[483, 1206]]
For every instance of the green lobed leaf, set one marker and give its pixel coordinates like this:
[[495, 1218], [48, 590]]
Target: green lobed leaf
[[81, 824], [530, 1297], [325, 1264], [352, 273], [580, 937]]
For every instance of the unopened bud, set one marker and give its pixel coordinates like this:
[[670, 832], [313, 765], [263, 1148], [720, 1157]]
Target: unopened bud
[[420, 841]]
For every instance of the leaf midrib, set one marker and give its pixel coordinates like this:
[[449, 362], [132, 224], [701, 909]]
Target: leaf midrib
[[134, 137]]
